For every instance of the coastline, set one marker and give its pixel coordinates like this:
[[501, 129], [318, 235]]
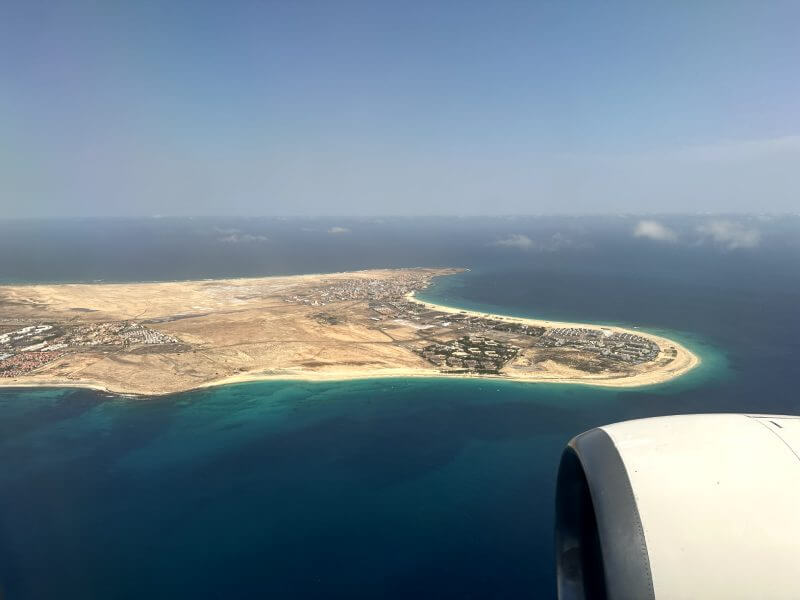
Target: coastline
[[683, 362]]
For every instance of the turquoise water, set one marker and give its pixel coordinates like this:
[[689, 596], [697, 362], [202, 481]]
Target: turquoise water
[[377, 488], [384, 488], [359, 489]]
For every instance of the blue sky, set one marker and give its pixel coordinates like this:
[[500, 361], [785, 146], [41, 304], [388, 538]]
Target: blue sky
[[361, 108]]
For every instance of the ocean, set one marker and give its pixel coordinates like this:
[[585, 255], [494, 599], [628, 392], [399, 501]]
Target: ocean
[[390, 488]]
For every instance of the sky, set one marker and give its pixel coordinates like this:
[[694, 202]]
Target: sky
[[398, 108]]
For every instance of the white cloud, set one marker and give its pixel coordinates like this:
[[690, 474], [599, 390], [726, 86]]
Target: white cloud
[[338, 230], [554, 243], [241, 238], [516, 240], [730, 235], [654, 230]]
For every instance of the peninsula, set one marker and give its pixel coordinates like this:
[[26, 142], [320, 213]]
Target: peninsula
[[161, 338]]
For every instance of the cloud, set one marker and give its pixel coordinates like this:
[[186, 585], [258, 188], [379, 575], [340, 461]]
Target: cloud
[[235, 237], [730, 235], [557, 241], [515, 240], [338, 230], [654, 230]]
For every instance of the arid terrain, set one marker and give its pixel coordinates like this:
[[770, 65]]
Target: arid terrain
[[159, 338]]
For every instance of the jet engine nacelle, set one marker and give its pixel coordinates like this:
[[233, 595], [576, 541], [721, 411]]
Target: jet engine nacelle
[[689, 506]]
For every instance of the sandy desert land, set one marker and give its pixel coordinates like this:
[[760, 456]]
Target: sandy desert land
[[160, 338]]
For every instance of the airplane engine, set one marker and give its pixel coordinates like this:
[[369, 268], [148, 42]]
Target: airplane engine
[[681, 507]]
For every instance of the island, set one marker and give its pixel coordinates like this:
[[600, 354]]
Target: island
[[165, 337]]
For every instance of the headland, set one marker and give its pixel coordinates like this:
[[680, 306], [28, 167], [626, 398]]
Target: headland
[[167, 337]]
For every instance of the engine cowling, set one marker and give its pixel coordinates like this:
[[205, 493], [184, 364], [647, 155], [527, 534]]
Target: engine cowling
[[688, 506]]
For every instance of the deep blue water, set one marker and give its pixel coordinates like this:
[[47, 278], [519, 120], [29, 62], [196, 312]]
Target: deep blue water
[[378, 488]]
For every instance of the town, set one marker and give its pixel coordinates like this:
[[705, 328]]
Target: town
[[28, 348], [364, 289], [458, 342]]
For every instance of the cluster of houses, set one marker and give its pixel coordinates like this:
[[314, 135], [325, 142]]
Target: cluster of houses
[[472, 353], [341, 290], [15, 365], [625, 347], [28, 348]]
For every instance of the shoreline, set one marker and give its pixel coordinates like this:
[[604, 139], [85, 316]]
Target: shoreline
[[683, 362]]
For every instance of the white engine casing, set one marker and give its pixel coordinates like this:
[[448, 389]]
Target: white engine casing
[[683, 507]]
